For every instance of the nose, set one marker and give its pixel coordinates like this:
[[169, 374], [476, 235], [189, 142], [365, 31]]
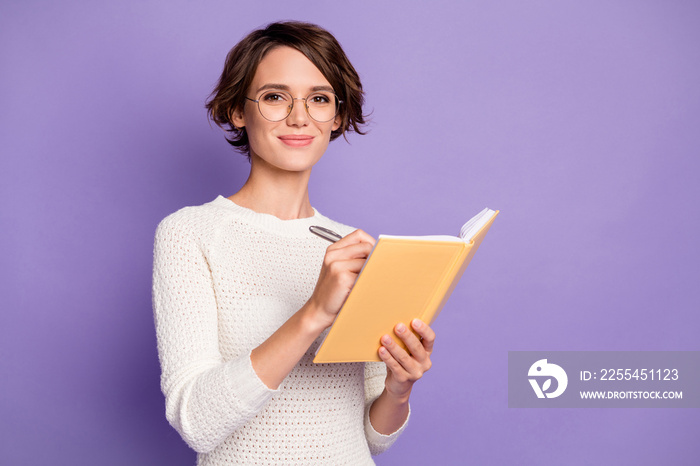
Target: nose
[[298, 116]]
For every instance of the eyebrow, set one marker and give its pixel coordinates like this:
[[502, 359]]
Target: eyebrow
[[284, 87]]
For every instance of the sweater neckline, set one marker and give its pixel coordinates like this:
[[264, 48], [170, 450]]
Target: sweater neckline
[[298, 227]]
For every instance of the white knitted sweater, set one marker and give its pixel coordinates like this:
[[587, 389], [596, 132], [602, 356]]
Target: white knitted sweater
[[224, 279]]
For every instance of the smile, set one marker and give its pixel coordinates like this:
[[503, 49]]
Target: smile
[[296, 140]]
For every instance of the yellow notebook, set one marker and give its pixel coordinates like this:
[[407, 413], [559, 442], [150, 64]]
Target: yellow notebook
[[405, 277]]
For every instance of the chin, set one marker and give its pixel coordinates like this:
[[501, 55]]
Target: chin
[[296, 161], [296, 167], [291, 159], [291, 163]]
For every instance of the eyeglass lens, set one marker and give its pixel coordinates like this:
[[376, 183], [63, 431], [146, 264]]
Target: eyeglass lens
[[277, 105]]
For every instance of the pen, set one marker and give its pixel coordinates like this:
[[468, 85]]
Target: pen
[[325, 233]]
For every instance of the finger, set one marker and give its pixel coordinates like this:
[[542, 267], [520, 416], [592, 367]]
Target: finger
[[351, 251], [357, 236], [393, 365], [399, 354], [414, 345], [350, 265], [426, 333], [334, 259]]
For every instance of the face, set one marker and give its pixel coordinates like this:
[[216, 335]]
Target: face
[[296, 143]]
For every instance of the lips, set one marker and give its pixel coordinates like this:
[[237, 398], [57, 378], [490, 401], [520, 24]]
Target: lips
[[296, 140]]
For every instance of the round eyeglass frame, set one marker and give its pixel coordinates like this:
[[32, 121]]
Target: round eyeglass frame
[[338, 102]]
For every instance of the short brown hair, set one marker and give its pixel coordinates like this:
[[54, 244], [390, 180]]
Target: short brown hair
[[317, 44]]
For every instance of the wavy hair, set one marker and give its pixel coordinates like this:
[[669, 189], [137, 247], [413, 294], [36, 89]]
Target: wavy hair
[[317, 44]]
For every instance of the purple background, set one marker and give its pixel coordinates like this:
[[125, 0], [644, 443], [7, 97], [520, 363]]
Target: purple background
[[575, 120]]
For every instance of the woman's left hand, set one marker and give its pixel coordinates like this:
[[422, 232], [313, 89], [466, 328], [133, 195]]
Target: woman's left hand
[[404, 368]]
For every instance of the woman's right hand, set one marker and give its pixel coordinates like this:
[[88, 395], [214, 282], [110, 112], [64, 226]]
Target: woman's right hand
[[341, 265], [275, 358]]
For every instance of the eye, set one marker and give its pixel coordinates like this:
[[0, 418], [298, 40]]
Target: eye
[[320, 99], [275, 98]]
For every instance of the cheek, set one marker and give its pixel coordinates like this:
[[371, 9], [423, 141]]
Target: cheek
[[257, 130], [323, 147], [256, 140]]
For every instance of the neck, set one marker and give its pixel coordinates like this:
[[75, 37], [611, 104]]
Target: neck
[[281, 193]]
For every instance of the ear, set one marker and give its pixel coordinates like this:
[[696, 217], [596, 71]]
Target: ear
[[336, 122], [237, 118]]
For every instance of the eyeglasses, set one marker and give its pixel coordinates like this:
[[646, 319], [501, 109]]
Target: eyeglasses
[[276, 105]]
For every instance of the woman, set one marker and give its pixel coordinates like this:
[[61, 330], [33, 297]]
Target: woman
[[243, 292]]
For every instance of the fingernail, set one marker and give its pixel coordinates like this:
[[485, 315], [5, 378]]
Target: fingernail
[[386, 339], [417, 323], [400, 328], [382, 350]]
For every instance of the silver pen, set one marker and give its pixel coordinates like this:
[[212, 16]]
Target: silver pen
[[325, 233]]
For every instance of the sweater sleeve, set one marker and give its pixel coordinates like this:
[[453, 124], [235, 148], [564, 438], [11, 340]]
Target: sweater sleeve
[[375, 374], [206, 398]]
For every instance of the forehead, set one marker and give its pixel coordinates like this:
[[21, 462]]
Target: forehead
[[290, 67]]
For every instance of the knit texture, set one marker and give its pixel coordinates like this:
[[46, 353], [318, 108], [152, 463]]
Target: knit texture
[[224, 279]]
